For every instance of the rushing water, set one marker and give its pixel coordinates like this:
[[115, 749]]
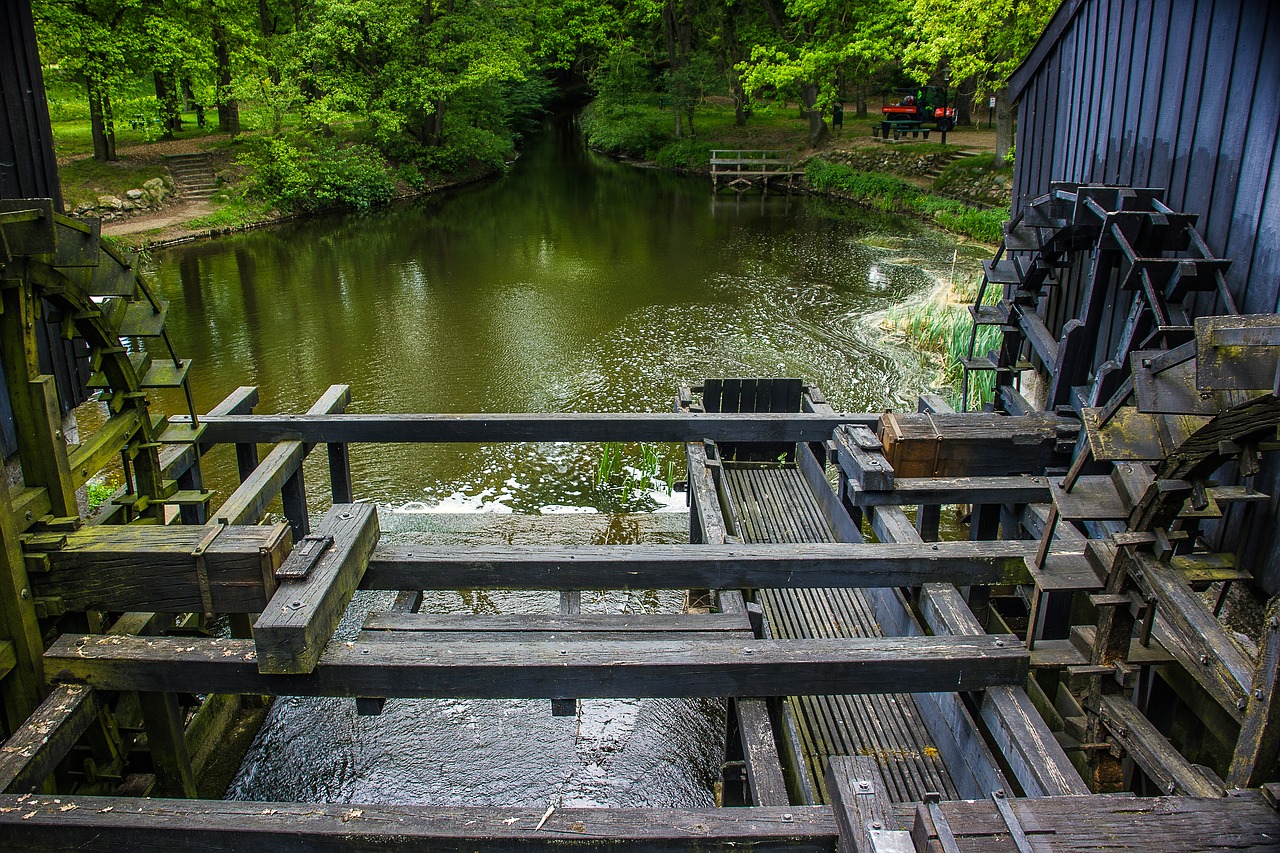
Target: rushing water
[[571, 284]]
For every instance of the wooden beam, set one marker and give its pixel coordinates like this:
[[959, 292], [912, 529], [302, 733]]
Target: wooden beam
[[521, 427], [908, 491], [249, 502], [1152, 751], [1257, 754], [302, 615], [24, 687], [104, 446], [35, 749], [555, 623], [801, 566], [863, 810], [154, 568], [422, 668], [110, 824]]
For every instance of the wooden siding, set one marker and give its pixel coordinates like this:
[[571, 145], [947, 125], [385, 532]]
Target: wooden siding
[[1182, 95], [27, 165]]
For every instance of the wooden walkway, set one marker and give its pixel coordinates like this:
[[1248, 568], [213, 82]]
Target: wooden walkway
[[775, 505]]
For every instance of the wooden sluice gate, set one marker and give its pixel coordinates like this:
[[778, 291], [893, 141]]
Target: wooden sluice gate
[[744, 171], [895, 685]]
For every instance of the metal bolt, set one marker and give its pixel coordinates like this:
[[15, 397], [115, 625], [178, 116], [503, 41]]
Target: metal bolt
[[345, 515], [1241, 704], [1257, 694], [29, 515], [364, 651], [787, 818], [564, 651], [1204, 660], [1273, 623], [748, 651], [296, 605], [875, 824], [26, 593], [999, 642], [864, 784]]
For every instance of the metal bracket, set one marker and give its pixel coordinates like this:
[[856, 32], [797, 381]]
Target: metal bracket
[[202, 570], [946, 837], [1011, 821], [303, 558]]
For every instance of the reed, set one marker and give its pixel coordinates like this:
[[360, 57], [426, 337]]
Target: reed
[[938, 328]]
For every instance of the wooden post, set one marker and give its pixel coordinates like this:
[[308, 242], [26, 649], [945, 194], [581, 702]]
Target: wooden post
[[24, 687], [1257, 755], [166, 738]]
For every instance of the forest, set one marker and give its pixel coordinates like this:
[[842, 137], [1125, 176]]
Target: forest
[[450, 86]]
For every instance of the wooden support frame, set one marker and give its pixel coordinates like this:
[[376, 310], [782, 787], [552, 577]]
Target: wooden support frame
[[102, 825], [302, 615], [862, 808], [708, 566], [1257, 751], [521, 427], [35, 749], [278, 474], [543, 669], [1152, 752]]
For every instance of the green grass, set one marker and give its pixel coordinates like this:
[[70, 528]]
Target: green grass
[[233, 212], [893, 195], [84, 180], [963, 171]]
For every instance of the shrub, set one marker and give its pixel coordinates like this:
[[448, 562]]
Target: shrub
[[626, 131], [316, 174], [684, 154]]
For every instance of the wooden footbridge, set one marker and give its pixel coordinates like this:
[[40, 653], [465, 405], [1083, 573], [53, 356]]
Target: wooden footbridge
[[744, 171]]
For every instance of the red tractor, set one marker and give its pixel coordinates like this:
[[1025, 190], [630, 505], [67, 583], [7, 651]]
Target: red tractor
[[924, 105]]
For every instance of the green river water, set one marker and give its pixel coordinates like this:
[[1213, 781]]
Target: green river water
[[572, 283]]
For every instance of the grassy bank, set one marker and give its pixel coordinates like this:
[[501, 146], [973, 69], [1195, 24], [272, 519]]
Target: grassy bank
[[895, 195]]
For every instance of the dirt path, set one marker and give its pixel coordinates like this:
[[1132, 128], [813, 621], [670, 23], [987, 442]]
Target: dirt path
[[171, 218]]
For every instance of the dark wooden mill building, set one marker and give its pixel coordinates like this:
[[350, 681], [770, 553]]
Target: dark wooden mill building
[[1062, 677]]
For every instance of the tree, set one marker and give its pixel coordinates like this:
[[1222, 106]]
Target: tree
[[980, 39], [818, 41], [84, 37]]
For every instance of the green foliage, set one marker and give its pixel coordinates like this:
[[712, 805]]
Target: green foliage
[[233, 212], [892, 195], [99, 492], [684, 154], [635, 131], [982, 39], [316, 174], [940, 327], [622, 481]]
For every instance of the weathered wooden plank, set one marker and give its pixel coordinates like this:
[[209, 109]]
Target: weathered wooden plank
[[104, 445], [1258, 749], [110, 824], [707, 667], [706, 521], [1034, 755], [300, 619], [837, 517], [760, 751], [519, 427], [1152, 751], [153, 568], [704, 567], [977, 445], [907, 491], [280, 472], [35, 749], [166, 740], [858, 453], [1089, 823], [862, 808], [499, 623]]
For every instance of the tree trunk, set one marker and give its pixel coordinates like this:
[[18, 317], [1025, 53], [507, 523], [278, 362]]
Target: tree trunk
[[228, 108], [97, 127], [818, 130], [739, 99], [862, 100], [267, 23], [1004, 123], [964, 101], [673, 66], [167, 95], [109, 123]]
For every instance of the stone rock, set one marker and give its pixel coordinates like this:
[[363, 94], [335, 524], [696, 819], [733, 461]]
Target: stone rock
[[109, 202], [128, 205], [83, 208], [133, 195], [224, 176]]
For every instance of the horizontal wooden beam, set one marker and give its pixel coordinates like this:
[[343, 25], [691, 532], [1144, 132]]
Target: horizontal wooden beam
[[154, 568], [582, 623], [912, 491], [35, 749], [518, 427], [423, 668], [696, 567], [101, 824]]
